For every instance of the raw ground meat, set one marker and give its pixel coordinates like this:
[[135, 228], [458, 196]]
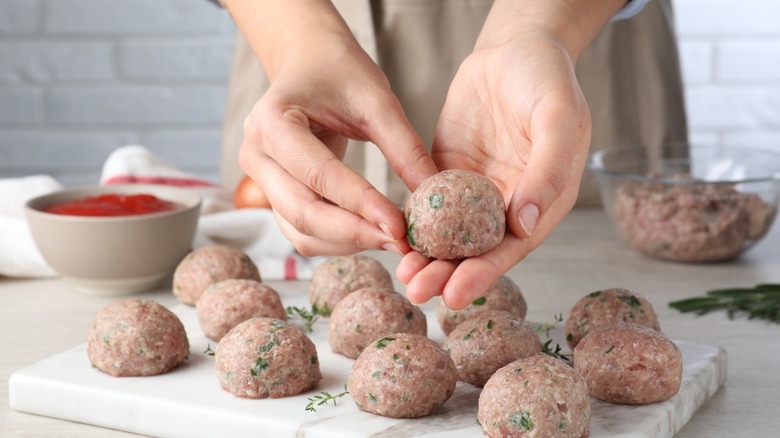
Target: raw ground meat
[[486, 342], [504, 294], [226, 304], [369, 314], [136, 337], [607, 307], [535, 397], [208, 265], [402, 376], [690, 222], [455, 214], [629, 364], [265, 357], [341, 275]]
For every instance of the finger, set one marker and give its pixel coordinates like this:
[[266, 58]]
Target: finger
[[411, 263], [430, 281], [298, 151], [309, 246], [553, 171], [309, 215], [400, 144]]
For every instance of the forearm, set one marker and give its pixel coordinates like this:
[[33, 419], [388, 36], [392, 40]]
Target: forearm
[[277, 29], [572, 23]]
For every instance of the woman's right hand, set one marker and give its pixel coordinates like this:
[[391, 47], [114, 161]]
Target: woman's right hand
[[325, 90]]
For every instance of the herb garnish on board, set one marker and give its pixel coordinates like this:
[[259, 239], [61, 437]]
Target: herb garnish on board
[[760, 302]]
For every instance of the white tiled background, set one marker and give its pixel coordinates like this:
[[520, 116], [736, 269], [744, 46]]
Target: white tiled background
[[79, 78]]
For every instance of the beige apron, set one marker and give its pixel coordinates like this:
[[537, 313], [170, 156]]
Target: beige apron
[[630, 77]]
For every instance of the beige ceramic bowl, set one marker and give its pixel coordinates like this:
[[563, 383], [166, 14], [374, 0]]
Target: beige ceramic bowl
[[115, 255]]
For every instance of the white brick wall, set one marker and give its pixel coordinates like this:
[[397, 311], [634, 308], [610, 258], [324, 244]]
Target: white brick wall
[[79, 78], [730, 52]]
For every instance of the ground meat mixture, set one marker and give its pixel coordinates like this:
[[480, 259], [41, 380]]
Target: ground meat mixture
[[266, 357], [226, 304], [208, 265], [535, 397], [402, 376], [341, 275], [136, 338], [455, 214], [488, 341], [690, 222], [607, 307], [504, 294], [369, 314], [629, 364]]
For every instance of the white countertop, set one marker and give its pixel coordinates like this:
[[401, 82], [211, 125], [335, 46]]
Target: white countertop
[[40, 318]]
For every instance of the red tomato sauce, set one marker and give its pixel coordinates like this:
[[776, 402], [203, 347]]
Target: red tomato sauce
[[113, 204]]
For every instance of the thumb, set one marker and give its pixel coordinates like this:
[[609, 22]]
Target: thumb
[[548, 188]]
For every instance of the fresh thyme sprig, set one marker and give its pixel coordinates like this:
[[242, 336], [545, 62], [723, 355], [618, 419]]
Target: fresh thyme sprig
[[323, 399], [547, 346], [309, 316], [760, 302]]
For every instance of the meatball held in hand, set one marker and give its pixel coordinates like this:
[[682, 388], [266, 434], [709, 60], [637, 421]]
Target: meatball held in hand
[[455, 214]]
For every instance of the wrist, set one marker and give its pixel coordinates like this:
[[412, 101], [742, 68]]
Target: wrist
[[572, 24]]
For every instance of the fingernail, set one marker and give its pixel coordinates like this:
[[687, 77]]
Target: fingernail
[[528, 215], [390, 246], [386, 229]]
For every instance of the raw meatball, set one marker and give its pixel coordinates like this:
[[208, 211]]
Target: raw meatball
[[538, 396], [226, 304], [341, 275], [369, 314], [265, 357], [629, 364], [136, 338], [607, 307], [208, 265], [501, 295], [455, 214], [402, 376], [488, 341]]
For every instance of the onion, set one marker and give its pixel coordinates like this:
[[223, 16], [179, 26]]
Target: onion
[[248, 194]]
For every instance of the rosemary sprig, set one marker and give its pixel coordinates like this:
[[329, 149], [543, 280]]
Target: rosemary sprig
[[547, 346], [309, 316], [760, 302], [323, 399]]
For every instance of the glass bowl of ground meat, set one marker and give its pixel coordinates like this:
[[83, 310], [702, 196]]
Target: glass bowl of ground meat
[[689, 203]]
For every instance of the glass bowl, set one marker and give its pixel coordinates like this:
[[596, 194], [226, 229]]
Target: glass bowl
[[689, 203]]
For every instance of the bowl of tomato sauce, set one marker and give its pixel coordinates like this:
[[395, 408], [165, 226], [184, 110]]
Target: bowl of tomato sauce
[[114, 240]]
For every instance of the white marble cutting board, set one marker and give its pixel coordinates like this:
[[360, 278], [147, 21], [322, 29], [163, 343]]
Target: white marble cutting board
[[188, 402]]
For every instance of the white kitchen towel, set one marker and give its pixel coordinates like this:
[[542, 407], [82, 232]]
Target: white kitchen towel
[[254, 231], [19, 257]]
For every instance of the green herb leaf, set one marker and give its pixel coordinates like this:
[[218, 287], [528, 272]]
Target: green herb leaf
[[382, 343], [479, 301], [436, 201], [323, 398], [521, 421], [208, 351], [759, 302]]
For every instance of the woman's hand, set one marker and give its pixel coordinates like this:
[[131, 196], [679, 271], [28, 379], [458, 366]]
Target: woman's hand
[[514, 113], [325, 90]]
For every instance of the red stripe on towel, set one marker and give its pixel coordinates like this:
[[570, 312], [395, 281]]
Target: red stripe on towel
[[290, 268], [178, 182]]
